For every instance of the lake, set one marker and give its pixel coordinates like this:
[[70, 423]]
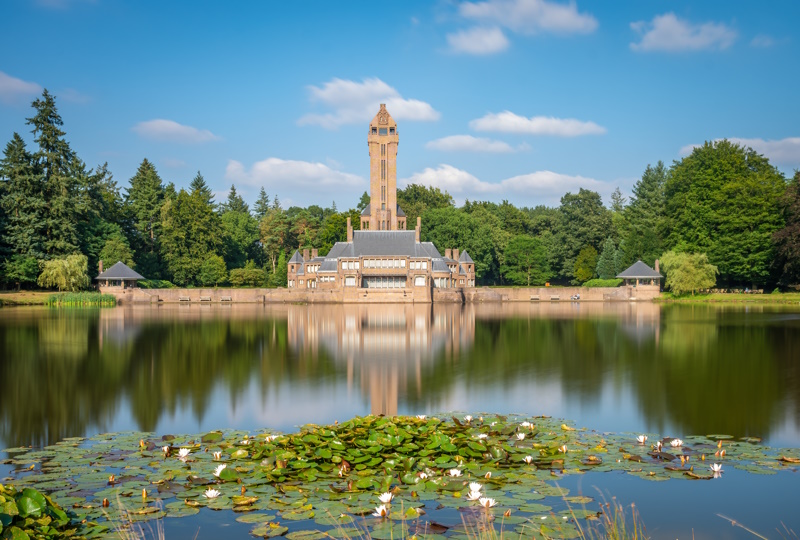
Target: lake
[[672, 370]]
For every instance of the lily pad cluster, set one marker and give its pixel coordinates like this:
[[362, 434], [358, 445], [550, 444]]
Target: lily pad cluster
[[28, 513], [388, 477]]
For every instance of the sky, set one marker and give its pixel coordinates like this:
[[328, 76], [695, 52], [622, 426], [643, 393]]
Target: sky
[[518, 100]]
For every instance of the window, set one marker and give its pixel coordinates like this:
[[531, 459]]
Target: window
[[383, 169], [391, 130], [402, 263], [383, 206], [419, 281], [358, 264], [350, 281], [374, 131], [383, 149], [424, 265], [383, 193], [397, 263], [382, 131]]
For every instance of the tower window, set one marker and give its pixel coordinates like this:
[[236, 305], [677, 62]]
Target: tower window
[[382, 131], [383, 169], [374, 131], [383, 206], [383, 149], [391, 130]]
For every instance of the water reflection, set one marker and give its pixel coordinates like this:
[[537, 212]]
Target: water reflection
[[622, 367]]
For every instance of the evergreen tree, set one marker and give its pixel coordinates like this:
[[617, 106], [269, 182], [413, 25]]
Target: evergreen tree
[[787, 239], [644, 217], [606, 267], [200, 189], [116, 249], [281, 274], [235, 203], [22, 201], [585, 264], [145, 198], [363, 202], [262, 204]]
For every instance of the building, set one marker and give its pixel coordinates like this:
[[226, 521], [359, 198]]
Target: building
[[120, 276], [383, 255], [640, 274]]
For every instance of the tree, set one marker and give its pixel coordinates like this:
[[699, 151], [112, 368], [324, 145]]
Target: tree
[[235, 203], [416, 199], [65, 273], [200, 189], [724, 200], [19, 269], [22, 201], [688, 272], [606, 265], [262, 204], [363, 202], [274, 229], [249, 276], [644, 217], [585, 263], [212, 271], [583, 222], [241, 236], [787, 239], [144, 200], [279, 277], [618, 212], [525, 261], [116, 249]]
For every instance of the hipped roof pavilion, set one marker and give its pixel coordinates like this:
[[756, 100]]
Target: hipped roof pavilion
[[119, 272], [640, 273]]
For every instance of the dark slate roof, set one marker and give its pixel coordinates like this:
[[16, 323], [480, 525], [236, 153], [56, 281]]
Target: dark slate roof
[[400, 212], [440, 266], [639, 270], [465, 258], [461, 270], [296, 258], [384, 243], [367, 210], [119, 271]]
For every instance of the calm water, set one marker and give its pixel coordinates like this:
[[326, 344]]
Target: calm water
[[673, 370]]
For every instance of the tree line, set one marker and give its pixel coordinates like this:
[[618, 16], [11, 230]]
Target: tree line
[[723, 212]]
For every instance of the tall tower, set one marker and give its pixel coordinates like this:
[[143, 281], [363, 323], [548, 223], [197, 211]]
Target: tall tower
[[382, 140]]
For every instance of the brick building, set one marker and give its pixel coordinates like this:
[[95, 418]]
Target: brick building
[[383, 255]]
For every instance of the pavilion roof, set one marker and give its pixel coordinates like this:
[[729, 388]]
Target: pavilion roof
[[119, 271], [639, 270]]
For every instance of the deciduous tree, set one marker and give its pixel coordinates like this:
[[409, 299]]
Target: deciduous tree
[[688, 272], [525, 261]]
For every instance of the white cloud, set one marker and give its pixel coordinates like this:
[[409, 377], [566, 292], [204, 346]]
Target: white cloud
[[478, 40], [468, 143], [356, 102], [531, 16], [508, 122], [171, 131], [784, 151], [539, 186], [669, 33], [13, 89], [174, 163], [283, 173], [762, 41]]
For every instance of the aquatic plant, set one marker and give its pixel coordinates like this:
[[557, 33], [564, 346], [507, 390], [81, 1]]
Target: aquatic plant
[[81, 299]]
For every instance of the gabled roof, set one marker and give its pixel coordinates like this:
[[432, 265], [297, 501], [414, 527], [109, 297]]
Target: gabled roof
[[296, 258], [366, 211], [384, 243], [119, 271], [400, 212], [465, 258], [639, 270]]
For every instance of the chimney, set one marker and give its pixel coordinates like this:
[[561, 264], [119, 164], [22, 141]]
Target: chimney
[[448, 253], [656, 268], [101, 266], [305, 254], [455, 254], [418, 230], [349, 230], [314, 253]]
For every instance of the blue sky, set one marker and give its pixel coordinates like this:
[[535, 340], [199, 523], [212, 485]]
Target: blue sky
[[496, 99]]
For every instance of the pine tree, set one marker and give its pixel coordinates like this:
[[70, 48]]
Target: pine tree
[[145, 198], [235, 203], [606, 269], [644, 217], [23, 201], [262, 204], [201, 189]]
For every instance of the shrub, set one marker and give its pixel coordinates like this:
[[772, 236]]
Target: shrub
[[597, 282], [156, 284], [249, 276]]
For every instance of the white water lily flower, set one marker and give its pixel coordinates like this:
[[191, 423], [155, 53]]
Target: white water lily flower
[[528, 459], [454, 472], [386, 498], [270, 438], [184, 453], [483, 436], [676, 442], [716, 467], [488, 475], [211, 493], [520, 436], [473, 495], [217, 456], [219, 470], [563, 449], [474, 486], [245, 441], [380, 511], [421, 416], [423, 476], [525, 424], [642, 439], [165, 449], [487, 502], [468, 419], [659, 446]]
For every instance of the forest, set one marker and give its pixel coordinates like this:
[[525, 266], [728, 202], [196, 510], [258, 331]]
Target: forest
[[721, 215]]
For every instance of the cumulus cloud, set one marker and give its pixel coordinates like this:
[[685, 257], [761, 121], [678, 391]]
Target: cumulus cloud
[[468, 143], [171, 131], [355, 102], [531, 16], [669, 33], [762, 42], [478, 41], [508, 122], [13, 90], [296, 174], [539, 186], [784, 151]]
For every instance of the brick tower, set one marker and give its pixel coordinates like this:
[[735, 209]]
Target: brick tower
[[382, 140]]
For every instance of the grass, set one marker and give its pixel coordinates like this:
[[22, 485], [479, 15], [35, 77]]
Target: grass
[[82, 299], [731, 298], [24, 298]]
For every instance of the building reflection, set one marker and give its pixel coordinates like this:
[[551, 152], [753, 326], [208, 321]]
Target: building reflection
[[384, 348]]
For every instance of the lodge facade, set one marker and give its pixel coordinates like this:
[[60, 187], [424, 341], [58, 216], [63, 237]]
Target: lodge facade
[[382, 256]]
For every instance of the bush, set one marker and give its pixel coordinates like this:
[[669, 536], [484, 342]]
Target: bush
[[597, 282], [65, 273], [249, 276], [212, 271], [156, 284]]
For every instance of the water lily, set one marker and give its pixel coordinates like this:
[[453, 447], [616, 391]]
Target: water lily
[[526, 424], [473, 495], [563, 448], [716, 467], [528, 459], [211, 493], [165, 449], [219, 470], [468, 419], [270, 438], [483, 436], [245, 441], [217, 456], [642, 439], [423, 476], [474, 486], [676, 442], [380, 511], [421, 416], [386, 498], [658, 446], [487, 502], [454, 472], [520, 436], [183, 453], [488, 475]]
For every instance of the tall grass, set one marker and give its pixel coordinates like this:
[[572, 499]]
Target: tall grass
[[82, 299]]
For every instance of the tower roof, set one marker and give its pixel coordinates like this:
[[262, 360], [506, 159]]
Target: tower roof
[[383, 118]]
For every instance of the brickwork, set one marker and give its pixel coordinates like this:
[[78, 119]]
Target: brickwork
[[382, 141]]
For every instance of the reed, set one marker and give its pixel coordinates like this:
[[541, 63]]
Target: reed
[[82, 299]]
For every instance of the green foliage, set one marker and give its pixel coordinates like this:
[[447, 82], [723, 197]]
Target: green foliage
[[116, 249], [723, 200], [416, 199], [20, 269], [144, 199], [597, 282], [65, 273], [585, 264], [155, 284], [279, 277], [240, 230], [262, 204], [606, 265], [787, 239], [81, 299], [28, 513], [249, 276], [525, 261], [22, 201], [235, 203], [643, 219], [583, 222], [688, 272], [199, 189], [212, 271]]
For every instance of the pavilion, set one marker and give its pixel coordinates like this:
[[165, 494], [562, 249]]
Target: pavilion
[[119, 275], [641, 274]]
